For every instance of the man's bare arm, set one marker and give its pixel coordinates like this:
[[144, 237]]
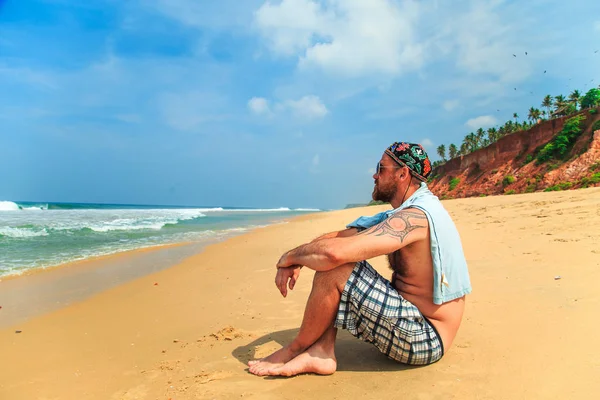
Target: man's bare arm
[[343, 233], [400, 230]]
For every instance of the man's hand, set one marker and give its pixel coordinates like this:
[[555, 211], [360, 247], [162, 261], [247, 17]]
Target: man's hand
[[283, 275], [283, 261]]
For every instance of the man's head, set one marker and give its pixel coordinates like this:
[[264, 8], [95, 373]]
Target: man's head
[[402, 165]]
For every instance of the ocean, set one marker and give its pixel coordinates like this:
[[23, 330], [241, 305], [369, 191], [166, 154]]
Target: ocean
[[38, 235]]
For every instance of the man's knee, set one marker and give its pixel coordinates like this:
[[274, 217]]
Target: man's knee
[[336, 277]]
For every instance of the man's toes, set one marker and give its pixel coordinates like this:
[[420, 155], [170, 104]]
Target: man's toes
[[280, 371], [253, 368], [252, 362]]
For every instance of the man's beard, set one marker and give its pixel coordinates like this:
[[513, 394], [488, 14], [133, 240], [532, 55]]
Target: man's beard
[[384, 193]]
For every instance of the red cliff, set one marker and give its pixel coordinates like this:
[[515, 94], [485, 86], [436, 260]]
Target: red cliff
[[503, 166]]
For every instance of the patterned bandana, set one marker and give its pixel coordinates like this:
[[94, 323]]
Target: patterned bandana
[[413, 156]]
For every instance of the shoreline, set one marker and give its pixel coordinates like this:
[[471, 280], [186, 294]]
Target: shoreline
[[83, 261], [38, 291], [27, 271]]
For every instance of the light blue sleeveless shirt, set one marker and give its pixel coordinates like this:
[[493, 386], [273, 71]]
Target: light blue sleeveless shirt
[[450, 273]]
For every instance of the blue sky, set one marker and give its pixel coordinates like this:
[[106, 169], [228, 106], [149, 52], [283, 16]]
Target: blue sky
[[264, 103]]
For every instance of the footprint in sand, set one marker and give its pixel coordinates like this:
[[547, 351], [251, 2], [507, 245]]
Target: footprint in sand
[[226, 334], [203, 377]]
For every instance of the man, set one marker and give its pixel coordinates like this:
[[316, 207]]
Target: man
[[411, 318]]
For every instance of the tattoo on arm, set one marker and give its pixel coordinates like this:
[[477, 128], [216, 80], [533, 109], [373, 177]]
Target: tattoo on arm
[[386, 229]]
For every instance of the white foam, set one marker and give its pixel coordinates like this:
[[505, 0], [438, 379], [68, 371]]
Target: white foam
[[306, 209], [8, 206], [34, 208], [259, 210], [22, 232]]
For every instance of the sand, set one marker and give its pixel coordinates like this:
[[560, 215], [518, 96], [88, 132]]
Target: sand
[[186, 332]]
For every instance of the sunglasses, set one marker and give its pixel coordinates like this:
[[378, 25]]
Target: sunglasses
[[379, 167]]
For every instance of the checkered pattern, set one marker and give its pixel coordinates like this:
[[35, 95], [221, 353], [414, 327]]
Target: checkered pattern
[[372, 310]]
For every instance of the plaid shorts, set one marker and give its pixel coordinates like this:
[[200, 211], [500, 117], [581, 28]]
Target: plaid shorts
[[372, 310]]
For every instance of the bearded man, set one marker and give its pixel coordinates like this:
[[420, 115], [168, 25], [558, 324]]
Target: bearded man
[[412, 318]]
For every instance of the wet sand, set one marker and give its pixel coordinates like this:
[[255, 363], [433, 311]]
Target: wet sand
[[528, 332]]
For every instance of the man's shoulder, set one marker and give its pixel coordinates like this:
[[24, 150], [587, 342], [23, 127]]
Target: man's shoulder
[[408, 217]]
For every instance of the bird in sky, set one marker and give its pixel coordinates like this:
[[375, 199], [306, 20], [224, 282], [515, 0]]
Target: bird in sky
[[514, 55], [544, 71], [525, 53]]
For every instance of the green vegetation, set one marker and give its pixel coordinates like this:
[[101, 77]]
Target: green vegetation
[[562, 143], [530, 188], [510, 192], [591, 98], [596, 126], [441, 150], [508, 179], [595, 166], [528, 159], [559, 186], [453, 183], [588, 181], [376, 203]]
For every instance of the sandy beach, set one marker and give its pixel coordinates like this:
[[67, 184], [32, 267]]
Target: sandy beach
[[187, 332]]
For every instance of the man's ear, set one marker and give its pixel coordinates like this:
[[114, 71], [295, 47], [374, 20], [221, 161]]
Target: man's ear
[[405, 173]]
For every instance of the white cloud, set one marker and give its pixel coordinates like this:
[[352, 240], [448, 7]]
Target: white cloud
[[259, 105], [35, 78], [427, 144], [484, 121], [315, 160], [308, 107], [352, 37], [450, 105], [484, 38], [314, 165]]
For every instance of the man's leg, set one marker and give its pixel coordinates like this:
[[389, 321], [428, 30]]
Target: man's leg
[[319, 315], [318, 358]]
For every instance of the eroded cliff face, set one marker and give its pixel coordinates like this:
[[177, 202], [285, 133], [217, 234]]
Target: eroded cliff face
[[488, 171]]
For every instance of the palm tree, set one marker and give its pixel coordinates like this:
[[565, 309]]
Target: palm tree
[[441, 150], [516, 116], [574, 97], [452, 151], [471, 142], [548, 104], [463, 149], [534, 114], [559, 103], [530, 113], [492, 135], [480, 135]]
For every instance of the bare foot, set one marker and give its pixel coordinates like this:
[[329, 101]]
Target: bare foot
[[314, 360], [277, 359]]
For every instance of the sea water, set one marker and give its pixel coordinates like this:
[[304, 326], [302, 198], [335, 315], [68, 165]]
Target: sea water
[[38, 235]]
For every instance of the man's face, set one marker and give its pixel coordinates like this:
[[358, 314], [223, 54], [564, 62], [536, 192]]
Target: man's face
[[386, 182]]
